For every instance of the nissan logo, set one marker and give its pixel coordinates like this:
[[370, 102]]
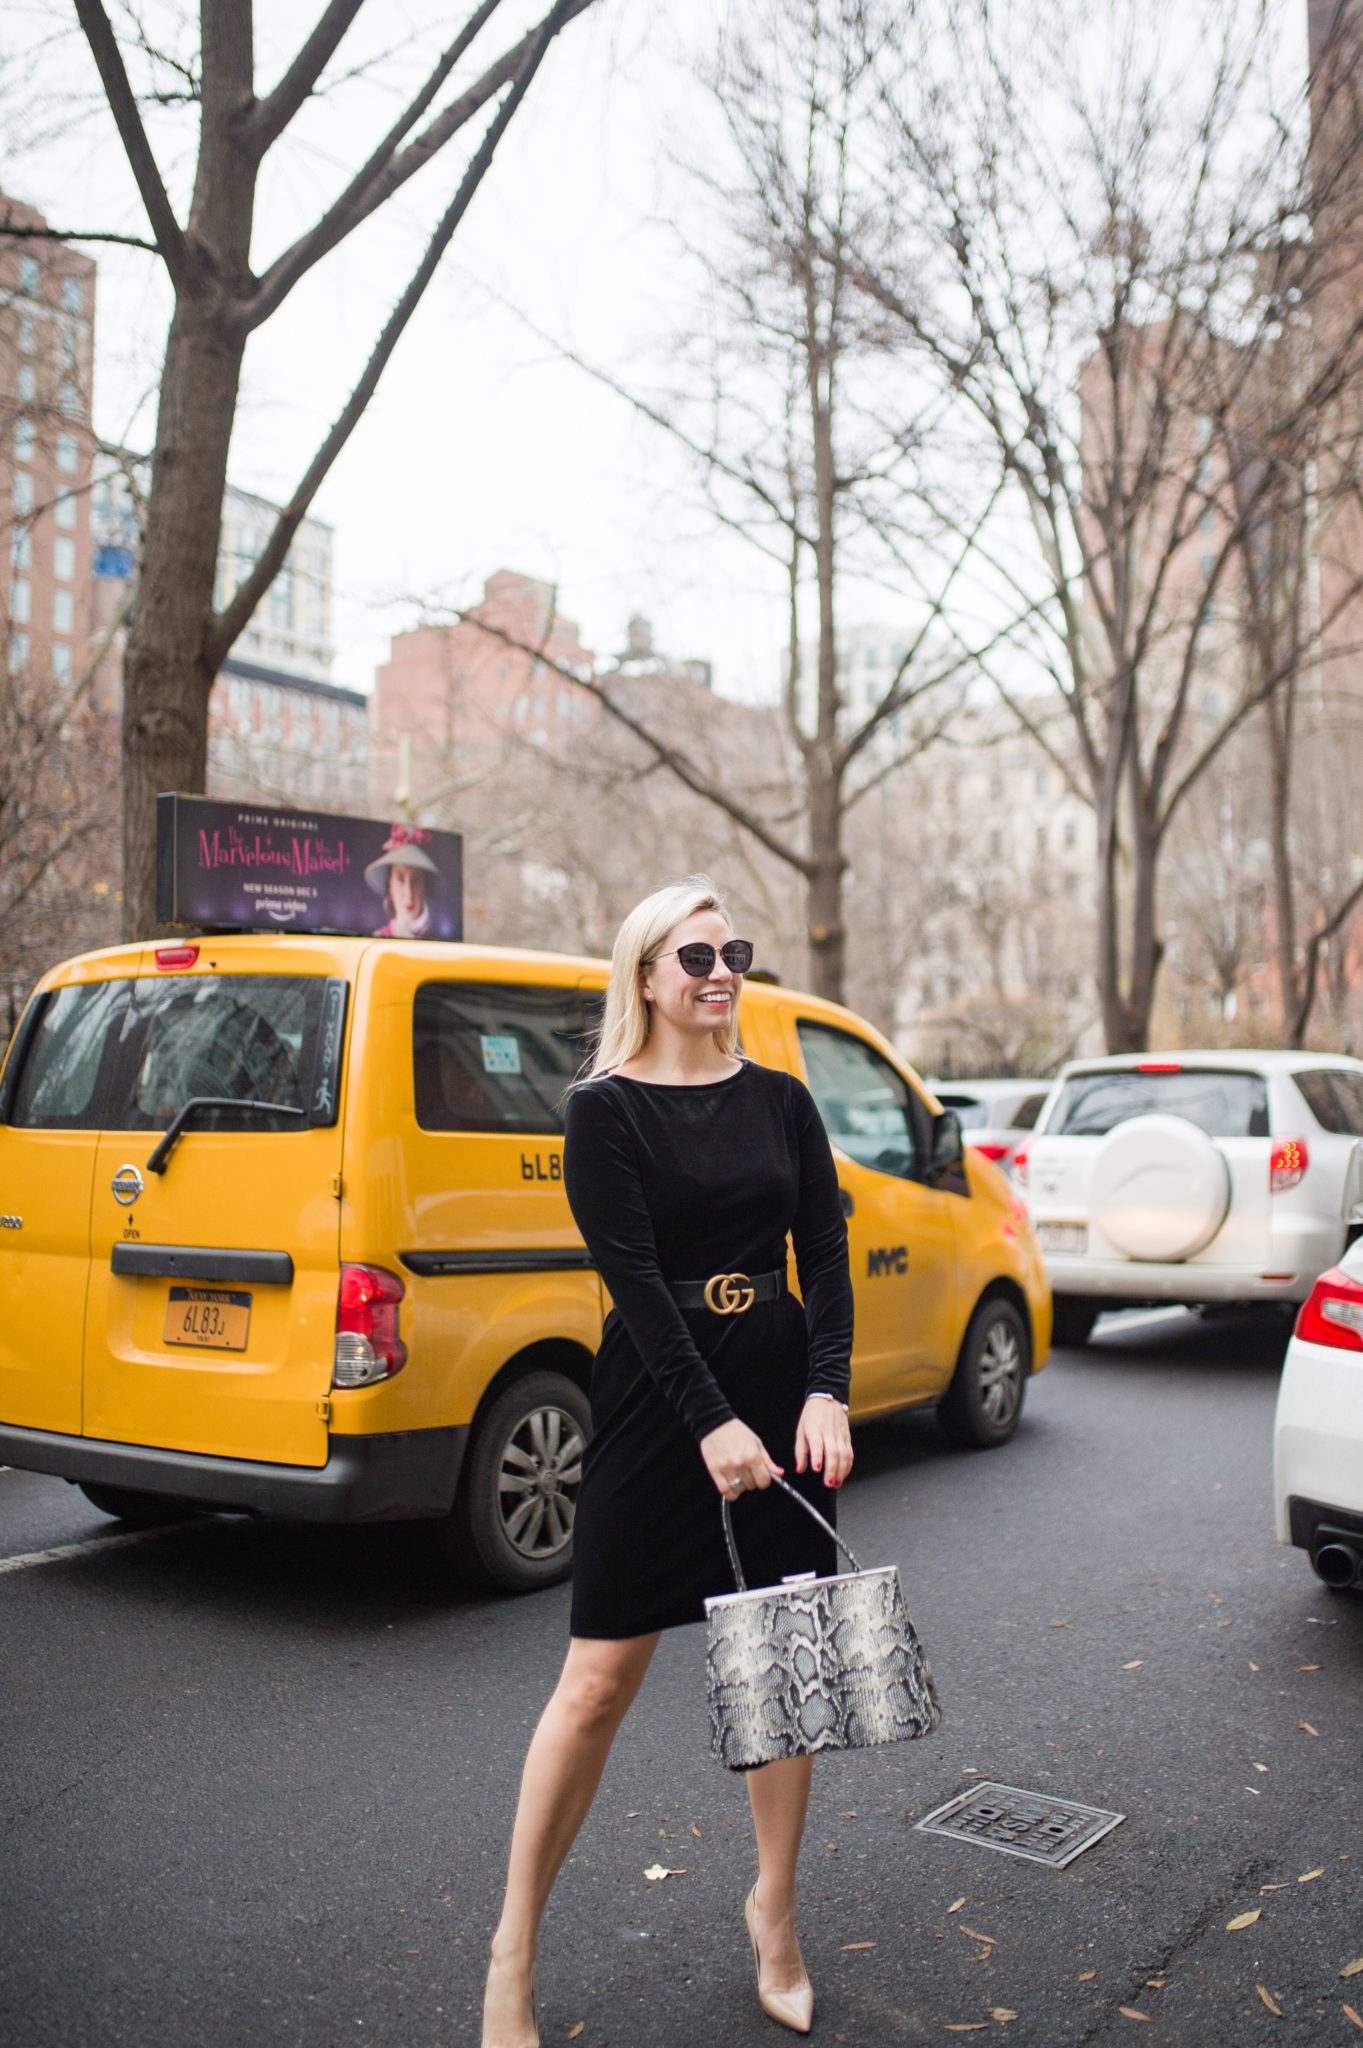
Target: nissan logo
[[127, 1185]]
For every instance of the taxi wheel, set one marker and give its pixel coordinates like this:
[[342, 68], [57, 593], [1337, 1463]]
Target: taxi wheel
[[140, 1510], [512, 1525], [982, 1405]]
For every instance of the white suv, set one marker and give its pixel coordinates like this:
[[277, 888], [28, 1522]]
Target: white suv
[[1193, 1177]]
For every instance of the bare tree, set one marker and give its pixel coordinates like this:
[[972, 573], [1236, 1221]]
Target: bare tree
[[1101, 251], [177, 640]]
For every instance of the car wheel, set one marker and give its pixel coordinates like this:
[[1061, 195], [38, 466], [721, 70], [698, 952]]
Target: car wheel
[[512, 1524], [1073, 1319], [142, 1510], [983, 1402]]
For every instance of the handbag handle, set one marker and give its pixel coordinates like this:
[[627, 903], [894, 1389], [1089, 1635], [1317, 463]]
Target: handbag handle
[[798, 1497]]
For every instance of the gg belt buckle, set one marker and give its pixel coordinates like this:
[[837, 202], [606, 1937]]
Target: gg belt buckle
[[729, 1294]]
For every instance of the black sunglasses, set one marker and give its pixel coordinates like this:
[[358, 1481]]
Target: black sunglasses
[[699, 959]]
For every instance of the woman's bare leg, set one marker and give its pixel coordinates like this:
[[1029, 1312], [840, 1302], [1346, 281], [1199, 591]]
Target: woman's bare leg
[[563, 1768], [779, 1796]]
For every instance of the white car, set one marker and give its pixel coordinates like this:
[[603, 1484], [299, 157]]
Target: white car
[[1193, 1177], [995, 1116], [1318, 1433]]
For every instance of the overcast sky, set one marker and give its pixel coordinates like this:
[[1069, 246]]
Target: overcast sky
[[481, 450]]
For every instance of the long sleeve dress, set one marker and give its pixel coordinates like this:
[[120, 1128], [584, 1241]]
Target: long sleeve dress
[[675, 1183]]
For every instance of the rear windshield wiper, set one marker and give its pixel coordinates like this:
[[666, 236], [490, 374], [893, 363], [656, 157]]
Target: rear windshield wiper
[[159, 1158]]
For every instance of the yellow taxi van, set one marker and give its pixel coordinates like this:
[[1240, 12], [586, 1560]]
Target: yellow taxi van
[[285, 1232]]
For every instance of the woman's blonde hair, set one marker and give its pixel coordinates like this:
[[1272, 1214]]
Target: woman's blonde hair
[[625, 1024]]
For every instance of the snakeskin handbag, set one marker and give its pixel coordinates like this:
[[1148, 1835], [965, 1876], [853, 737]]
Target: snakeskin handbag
[[813, 1663]]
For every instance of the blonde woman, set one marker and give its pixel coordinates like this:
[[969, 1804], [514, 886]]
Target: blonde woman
[[683, 1160]]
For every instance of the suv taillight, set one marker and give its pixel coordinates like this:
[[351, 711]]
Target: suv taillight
[[1287, 1164], [368, 1346], [1020, 1166], [1333, 1312]]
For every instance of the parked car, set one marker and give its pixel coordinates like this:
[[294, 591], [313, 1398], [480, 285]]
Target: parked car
[[995, 1116], [1195, 1177], [1318, 1430], [286, 1232]]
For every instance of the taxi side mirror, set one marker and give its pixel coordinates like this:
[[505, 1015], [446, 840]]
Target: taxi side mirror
[[948, 1145]]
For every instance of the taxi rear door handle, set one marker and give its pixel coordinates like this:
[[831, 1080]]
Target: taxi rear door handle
[[845, 1203]]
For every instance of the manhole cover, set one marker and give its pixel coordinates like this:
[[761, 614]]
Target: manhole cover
[[1029, 1824]]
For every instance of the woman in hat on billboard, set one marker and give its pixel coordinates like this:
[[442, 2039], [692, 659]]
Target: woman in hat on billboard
[[403, 876], [684, 1159]]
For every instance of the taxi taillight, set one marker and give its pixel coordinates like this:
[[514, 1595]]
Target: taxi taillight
[[368, 1347]]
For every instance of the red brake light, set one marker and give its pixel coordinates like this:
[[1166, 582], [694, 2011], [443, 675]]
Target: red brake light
[[1020, 1165], [176, 956], [368, 1346], [1287, 1164], [1159, 1067], [989, 1150], [1333, 1312]]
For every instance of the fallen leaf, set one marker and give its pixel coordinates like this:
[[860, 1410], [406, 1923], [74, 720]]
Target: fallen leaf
[[850, 1948], [1259, 1767], [1059, 1624], [1156, 1983], [1001, 2012], [658, 1870], [977, 1937], [1352, 1969], [1243, 1920], [635, 1815], [1270, 2001], [1307, 1875], [850, 1815], [956, 1904], [1129, 2012], [573, 2032], [696, 1832], [1275, 1888], [1309, 1729], [1353, 2016], [414, 1951], [833, 1846], [1227, 1624], [1310, 1667], [1087, 1976], [1251, 1663], [1134, 1665]]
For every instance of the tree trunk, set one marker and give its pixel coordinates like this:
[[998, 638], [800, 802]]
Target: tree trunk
[[828, 866], [166, 679], [1278, 725]]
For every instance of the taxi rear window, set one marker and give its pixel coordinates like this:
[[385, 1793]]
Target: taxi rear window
[[494, 1056], [128, 1055]]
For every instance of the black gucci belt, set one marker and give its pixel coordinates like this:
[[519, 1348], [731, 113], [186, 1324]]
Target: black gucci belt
[[729, 1294]]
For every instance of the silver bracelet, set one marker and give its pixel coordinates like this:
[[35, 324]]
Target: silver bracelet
[[822, 1394]]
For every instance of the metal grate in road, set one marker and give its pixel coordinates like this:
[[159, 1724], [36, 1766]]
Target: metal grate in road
[[1029, 1824]]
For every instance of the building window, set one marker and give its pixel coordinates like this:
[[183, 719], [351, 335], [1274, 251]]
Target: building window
[[61, 662], [995, 844], [20, 594], [64, 559], [68, 401], [18, 653], [64, 511], [1205, 563], [70, 348], [73, 295], [63, 611], [28, 333], [1071, 832], [28, 276], [21, 546], [28, 381], [67, 454], [23, 491], [1041, 839], [25, 440]]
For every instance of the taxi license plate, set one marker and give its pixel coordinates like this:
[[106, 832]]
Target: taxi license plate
[[1071, 1238], [207, 1318]]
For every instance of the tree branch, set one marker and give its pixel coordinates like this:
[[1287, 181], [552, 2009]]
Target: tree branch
[[273, 114], [225, 626], [11, 231], [170, 241]]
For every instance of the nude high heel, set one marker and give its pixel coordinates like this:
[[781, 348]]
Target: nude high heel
[[793, 2009], [534, 2038]]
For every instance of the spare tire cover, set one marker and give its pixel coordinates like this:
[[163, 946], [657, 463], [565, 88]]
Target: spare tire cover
[[1159, 1189]]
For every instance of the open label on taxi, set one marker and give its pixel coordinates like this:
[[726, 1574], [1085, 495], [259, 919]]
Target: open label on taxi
[[207, 1318]]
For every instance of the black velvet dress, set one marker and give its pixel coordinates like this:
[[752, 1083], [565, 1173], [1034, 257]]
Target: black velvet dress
[[679, 1183]]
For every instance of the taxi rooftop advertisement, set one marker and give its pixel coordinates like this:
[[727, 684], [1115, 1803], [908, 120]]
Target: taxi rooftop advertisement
[[249, 867]]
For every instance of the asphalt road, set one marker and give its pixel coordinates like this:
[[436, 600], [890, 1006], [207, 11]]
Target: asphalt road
[[255, 1783]]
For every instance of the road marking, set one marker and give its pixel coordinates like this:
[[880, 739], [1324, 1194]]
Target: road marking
[[64, 1550]]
